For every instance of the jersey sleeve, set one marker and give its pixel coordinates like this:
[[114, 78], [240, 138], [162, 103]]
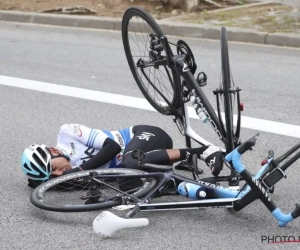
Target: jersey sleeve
[[93, 138]]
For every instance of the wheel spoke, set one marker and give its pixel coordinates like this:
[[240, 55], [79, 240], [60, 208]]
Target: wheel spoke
[[80, 194], [157, 84]]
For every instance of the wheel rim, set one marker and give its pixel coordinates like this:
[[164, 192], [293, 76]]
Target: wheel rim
[[70, 195], [138, 31], [227, 79]]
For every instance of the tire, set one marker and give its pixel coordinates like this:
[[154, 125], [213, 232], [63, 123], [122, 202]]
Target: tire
[[169, 91], [69, 184], [226, 82]]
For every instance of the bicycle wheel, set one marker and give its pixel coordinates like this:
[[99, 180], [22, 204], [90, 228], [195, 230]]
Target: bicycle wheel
[[139, 30], [79, 192], [227, 85]]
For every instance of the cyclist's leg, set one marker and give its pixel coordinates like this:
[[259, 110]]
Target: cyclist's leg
[[145, 138], [158, 147], [148, 139]]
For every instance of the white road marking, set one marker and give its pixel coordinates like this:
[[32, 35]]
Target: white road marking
[[140, 103]]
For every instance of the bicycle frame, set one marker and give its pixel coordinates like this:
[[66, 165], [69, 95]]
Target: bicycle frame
[[213, 190], [222, 197], [258, 190], [185, 79], [219, 196]]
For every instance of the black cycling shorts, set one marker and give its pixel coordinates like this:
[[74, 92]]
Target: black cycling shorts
[[146, 138]]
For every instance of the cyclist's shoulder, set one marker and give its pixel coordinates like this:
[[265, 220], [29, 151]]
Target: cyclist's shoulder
[[79, 130], [73, 129], [67, 127]]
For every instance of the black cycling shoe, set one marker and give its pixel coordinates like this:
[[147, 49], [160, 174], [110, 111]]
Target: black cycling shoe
[[215, 162]]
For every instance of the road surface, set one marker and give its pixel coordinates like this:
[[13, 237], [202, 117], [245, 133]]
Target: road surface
[[95, 60]]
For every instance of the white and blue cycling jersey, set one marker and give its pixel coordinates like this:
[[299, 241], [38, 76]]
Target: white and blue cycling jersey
[[81, 143]]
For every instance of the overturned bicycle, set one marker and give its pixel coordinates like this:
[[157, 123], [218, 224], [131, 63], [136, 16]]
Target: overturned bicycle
[[104, 191], [101, 189]]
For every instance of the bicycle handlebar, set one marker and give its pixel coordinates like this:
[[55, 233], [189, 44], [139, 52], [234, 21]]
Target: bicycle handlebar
[[248, 144], [256, 187], [296, 212], [284, 219]]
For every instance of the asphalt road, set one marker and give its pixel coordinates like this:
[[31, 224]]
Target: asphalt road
[[95, 60]]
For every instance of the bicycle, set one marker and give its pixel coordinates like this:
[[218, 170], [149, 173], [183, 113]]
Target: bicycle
[[106, 188], [96, 182], [156, 60]]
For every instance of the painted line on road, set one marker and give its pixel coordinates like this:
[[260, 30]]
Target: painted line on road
[[139, 103]]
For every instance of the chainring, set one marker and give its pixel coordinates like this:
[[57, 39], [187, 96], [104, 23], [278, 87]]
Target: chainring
[[183, 48]]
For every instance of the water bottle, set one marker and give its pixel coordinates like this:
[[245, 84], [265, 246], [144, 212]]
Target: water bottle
[[198, 109], [191, 190]]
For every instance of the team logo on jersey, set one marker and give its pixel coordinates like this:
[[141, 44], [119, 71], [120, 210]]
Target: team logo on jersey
[[145, 136], [77, 130], [120, 139], [73, 152], [120, 155]]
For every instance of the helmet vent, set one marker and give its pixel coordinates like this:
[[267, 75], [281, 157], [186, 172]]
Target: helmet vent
[[39, 163], [42, 153], [26, 166]]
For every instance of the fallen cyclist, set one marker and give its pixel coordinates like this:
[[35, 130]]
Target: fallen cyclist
[[81, 148]]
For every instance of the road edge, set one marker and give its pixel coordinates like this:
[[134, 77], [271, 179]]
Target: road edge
[[168, 27]]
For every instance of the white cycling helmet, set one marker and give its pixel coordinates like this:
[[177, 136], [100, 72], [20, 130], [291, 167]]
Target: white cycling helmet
[[36, 161]]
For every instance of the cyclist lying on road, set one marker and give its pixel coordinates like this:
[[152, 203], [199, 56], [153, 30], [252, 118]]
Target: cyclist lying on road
[[81, 148]]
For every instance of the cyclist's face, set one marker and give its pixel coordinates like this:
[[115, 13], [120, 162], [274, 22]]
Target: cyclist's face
[[59, 165]]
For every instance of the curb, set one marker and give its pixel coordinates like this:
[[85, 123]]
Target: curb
[[92, 22], [168, 27]]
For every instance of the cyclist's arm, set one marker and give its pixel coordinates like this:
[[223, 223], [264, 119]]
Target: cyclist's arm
[[92, 138], [109, 150]]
